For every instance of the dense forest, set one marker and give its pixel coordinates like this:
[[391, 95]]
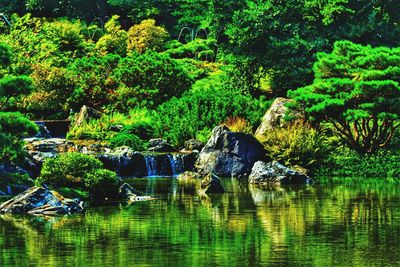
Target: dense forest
[[176, 69]]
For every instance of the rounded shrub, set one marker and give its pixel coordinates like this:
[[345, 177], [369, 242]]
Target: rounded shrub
[[125, 139], [68, 170], [101, 183]]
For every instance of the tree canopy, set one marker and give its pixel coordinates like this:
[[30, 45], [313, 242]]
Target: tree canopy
[[357, 89]]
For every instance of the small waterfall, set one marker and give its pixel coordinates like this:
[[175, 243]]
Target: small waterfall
[[177, 165], [151, 165]]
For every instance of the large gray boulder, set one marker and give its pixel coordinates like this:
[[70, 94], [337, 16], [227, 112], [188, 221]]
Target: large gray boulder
[[229, 153], [38, 200], [276, 173], [275, 116]]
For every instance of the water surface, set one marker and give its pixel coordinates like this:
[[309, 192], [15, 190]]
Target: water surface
[[331, 224]]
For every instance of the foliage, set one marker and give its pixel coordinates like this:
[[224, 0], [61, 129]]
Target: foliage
[[146, 36], [68, 170], [95, 86], [101, 129], [13, 127], [13, 87], [5, 55], [145, 129], [53, 85], [150, 78], [78, 171], [297, 144], [124, 139], [343, 162], [238, 124], [279, 39], [356, 89], [115, 40], [208, 104], [102, 183], [202, 49]]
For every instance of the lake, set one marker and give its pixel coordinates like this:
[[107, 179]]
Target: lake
[[341, 223]]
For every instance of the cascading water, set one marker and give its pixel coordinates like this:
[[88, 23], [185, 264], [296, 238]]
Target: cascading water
[[177, 165], [151, 165]]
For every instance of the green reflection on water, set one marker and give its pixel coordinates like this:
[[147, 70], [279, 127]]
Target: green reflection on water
[[332, 224]]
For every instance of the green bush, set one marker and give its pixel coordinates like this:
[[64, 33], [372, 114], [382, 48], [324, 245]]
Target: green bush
[[149, 79], [297, 144], [343, 162], [78, 172], [207, 105], [68, 170], [145, 130], [124, 139], [101, 183]]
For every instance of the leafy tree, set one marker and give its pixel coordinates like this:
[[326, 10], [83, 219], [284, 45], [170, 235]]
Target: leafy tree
[[13, 127], [146, 36], [95, 86], [357, 89], [139, 10], [274, 40], [53, 86], [150, 78], [88, 9], [11, 86]]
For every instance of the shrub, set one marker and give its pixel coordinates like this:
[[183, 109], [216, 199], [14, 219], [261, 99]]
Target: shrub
[[146, 36], [68, 170], [238, 124], [100, 129], [101, 183], [150, 79], [207, 105], [116, 39], [124, 139], [343, 162], [13, 128], [145, 130], [78, 172], [202, 49], [297, 144]]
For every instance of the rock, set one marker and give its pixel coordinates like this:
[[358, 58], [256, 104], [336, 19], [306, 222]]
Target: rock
[[126, 191], [160, 145], [124, 151], [189, 175], [116, 128], [43, 131], [274, 117], [193, 144], [38, 200], [276, 173], [85, 114], [50, 145], [127, 164], [229, 153], [211, 184]]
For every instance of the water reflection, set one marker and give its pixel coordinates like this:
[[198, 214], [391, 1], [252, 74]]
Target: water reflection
[[340, 224]]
